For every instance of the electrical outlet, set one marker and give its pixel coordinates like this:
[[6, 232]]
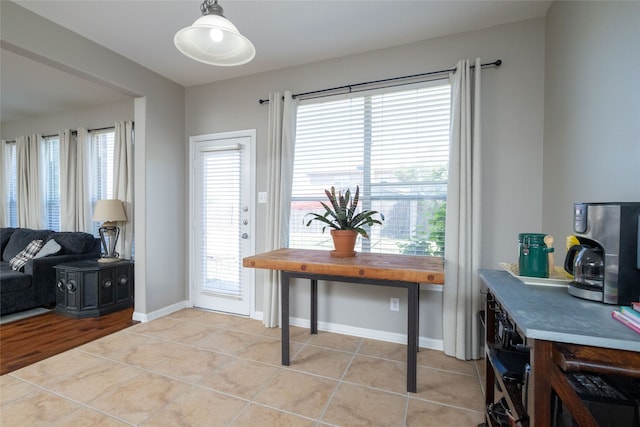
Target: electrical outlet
[[394, 304], [262, 197]]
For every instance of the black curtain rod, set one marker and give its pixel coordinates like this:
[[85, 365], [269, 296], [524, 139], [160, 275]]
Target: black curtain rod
[[74, 132], [496, 63]]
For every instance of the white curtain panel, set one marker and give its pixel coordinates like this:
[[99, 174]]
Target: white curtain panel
[[30, 181], [123, 183], [4, 184], [84, 220], [68, 162], [75, 202], [280, 150], [461, 296]]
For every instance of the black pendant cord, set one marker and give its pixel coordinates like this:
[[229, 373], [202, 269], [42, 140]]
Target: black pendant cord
[[391, 80]]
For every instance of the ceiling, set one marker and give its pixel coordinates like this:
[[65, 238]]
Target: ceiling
[[285, 33]]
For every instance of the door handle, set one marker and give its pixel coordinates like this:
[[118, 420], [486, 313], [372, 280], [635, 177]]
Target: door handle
[[244, 235]]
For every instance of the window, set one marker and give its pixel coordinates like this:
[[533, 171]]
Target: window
[[395, 146], [51, 163], [102, 149], [12, 203], [102, 166], [51, 145]]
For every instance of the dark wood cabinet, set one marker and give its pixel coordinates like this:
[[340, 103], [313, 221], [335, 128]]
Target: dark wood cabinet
[[507, 362], [545, 327], [90, 288]]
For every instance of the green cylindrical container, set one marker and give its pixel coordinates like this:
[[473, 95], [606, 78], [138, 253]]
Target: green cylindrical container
[[534, 255]]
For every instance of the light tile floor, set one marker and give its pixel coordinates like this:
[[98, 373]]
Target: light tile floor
[[198, 368]]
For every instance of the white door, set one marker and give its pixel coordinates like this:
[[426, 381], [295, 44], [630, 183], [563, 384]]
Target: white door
[[222, 221]]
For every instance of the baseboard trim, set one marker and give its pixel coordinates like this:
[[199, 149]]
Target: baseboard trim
[[165, 311], [374, 334], [394, 337]]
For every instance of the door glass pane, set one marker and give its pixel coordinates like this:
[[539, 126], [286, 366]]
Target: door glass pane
[[221, 216]]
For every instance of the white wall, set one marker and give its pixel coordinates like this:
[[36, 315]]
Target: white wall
[[585, 62], [592, 108], [512, 104], [159, 151]]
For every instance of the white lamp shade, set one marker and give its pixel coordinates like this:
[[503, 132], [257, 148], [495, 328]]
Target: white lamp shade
[[109, 210], [214, 40]]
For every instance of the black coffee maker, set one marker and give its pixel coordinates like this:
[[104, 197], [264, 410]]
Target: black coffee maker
[[606, 263]]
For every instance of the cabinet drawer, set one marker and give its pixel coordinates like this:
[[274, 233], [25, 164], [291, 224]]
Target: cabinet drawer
[[572, 358]]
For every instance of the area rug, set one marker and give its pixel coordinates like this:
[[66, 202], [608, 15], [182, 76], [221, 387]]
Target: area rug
[[23, 315]]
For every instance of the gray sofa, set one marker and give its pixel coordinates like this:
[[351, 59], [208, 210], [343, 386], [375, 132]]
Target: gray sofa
[[35, 284]]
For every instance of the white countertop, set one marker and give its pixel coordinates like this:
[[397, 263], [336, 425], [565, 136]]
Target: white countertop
[[550, 313]]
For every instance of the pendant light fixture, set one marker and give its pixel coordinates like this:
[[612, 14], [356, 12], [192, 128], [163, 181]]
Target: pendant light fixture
[[213, 39]]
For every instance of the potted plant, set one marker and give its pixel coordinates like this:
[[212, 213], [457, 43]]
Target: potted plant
[[345, 222]]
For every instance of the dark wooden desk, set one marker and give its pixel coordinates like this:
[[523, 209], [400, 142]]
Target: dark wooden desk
[[564, 335], [403, 271]]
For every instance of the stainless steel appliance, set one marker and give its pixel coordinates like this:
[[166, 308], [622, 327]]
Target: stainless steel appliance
[[586, 263], [606, 264]]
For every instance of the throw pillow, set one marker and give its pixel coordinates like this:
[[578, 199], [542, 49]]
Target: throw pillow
[[17, 262], [50, 248]]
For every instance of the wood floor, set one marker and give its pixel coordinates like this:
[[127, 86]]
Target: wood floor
[[27, 341]]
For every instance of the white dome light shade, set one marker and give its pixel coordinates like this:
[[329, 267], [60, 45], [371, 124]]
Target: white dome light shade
[[214, 40]]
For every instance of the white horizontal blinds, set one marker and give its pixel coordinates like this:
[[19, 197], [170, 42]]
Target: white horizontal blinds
[[220, 219], [395, 146], [102, 158], [328, 151], [103, 147], [12, 192], [52, 182], [328, 144], [409, 159]]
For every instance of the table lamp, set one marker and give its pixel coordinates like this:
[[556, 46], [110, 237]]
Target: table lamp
[[110, 211]]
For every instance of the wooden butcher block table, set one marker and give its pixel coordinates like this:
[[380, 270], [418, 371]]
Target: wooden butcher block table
[[403, 271]]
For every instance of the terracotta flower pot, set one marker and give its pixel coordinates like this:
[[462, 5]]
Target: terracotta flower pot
[[344, 241]]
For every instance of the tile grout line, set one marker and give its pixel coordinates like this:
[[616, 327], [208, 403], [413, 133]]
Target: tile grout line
[[227, 327], [251, 401], [339, 382], [406, 410], [354, 354], [248, 402], [86, 405], [479, 375]]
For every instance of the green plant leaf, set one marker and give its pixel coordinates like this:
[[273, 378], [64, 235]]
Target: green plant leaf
[[341, 213]]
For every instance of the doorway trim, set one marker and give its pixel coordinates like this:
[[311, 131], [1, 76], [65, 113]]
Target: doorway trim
[[193, 240]]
